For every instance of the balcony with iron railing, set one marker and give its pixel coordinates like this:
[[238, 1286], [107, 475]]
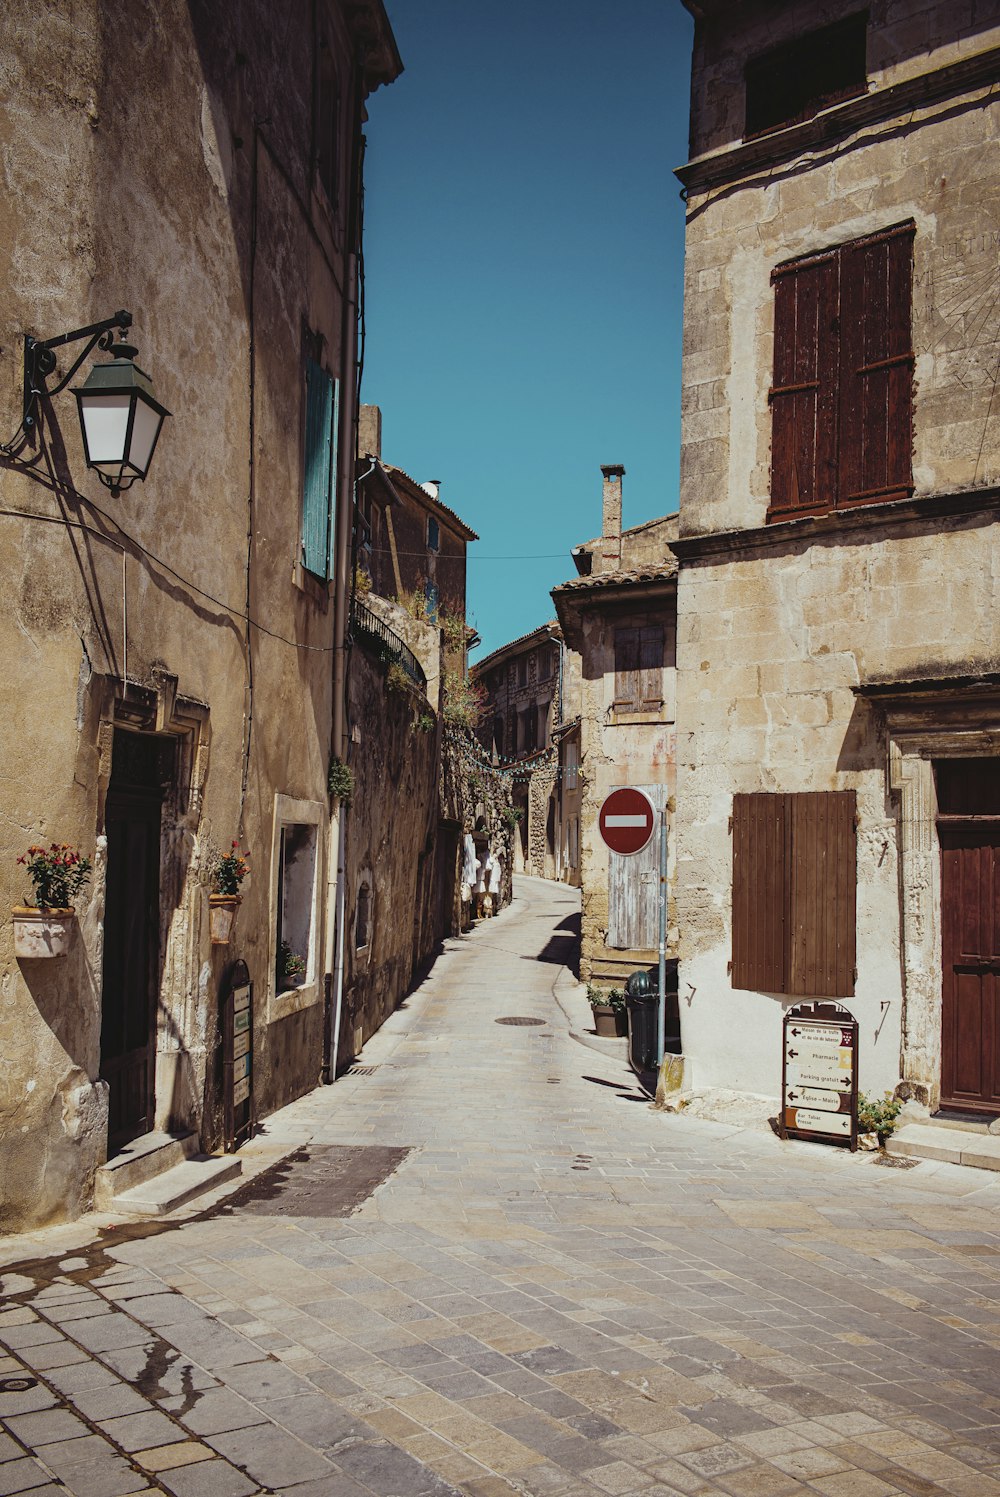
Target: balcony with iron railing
[[372, 633]]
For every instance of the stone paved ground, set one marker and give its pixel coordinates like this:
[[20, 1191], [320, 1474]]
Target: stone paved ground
[[555, 1291]]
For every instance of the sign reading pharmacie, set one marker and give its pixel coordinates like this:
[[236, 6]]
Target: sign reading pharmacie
[[819, 1074]]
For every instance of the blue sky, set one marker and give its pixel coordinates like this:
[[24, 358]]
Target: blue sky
[[523, 258]]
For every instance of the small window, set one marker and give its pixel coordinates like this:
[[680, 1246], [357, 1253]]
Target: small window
[[522, 670], [431, 600], [362, 919], [295, 905], [498, 736], [800, 77], [433, 534]]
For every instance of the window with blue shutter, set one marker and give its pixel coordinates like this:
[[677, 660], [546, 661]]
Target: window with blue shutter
[[320, 469]]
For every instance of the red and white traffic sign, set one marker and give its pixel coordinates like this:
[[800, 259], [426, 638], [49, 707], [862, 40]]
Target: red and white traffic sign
[[627, 819]]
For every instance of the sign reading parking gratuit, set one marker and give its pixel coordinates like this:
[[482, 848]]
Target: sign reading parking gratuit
[[627, 819], [819, 1074]]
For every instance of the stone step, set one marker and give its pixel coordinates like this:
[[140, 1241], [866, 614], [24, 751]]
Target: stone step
[[139, 1161], [177, 1186], [612, 967], [947, 1144]]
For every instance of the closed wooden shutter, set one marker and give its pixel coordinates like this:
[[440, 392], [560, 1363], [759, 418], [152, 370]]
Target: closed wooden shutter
[[842, 398], [627, 668], [794, 893], [759, 857], [319, 469], [804, 394], [651, 667], [876, 375]]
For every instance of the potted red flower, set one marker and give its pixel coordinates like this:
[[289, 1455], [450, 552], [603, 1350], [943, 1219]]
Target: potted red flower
[[43, 926], [228, 870]]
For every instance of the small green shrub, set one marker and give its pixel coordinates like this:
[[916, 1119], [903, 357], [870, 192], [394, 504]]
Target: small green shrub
[[613, 998], [341, 781], [464, 700], [878, 1114], [512, 815], [424, 722], [396, 679]]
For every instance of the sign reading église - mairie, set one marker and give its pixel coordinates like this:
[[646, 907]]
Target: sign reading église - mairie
[[819, 1077]]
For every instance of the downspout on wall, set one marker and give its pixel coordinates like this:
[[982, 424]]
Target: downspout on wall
[[346, 459]]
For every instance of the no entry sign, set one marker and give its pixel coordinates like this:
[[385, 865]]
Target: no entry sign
[[627, 819]]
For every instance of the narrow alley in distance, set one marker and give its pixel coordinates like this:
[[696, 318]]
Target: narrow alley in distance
[[484, 1265]]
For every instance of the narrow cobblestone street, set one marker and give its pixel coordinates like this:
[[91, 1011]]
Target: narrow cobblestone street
[[486, 1266]]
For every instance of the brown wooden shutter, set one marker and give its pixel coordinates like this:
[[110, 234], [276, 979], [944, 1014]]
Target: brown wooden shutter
[[759, 823], [804, 394], [794, 892], [651, 667], [627, 668], [821, 884], [876, 377]]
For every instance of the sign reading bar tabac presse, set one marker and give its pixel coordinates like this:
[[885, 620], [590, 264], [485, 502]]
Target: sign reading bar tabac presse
[[626, 820], [819, 1074]]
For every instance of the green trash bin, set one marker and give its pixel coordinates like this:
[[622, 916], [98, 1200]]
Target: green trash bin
[[642, 1003]]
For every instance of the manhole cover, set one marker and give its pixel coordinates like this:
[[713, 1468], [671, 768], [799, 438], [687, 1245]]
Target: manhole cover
[[17, 1384], [520, 1021]]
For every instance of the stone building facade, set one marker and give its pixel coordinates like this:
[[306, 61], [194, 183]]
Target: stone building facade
[[838, 645], [175, 652], [618, 616], [414, 797], [410, 546], [528, 694]]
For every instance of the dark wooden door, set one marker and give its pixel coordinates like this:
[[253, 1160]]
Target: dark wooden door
[[970, 898], [131, 959]]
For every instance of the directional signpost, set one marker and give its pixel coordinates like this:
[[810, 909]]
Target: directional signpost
[[819, 1074]]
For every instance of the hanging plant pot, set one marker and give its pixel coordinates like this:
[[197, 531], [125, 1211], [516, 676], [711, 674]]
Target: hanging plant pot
[[41, 931], [222, 916]]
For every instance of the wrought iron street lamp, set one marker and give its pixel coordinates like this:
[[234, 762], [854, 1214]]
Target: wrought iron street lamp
[[120, 418]]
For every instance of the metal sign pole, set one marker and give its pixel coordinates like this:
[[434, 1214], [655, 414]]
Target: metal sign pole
[[661, 1015]]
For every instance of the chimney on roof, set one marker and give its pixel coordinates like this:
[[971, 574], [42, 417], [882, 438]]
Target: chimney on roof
[[611, 528], [370, 432]]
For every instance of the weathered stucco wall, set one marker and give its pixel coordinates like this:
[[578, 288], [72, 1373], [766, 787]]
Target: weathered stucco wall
[[163, 195], [391, 849]]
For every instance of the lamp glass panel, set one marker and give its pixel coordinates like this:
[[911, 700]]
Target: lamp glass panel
[[105, 418], [144, 429]]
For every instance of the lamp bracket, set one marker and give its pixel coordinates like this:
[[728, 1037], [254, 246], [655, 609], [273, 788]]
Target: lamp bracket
[[40, 358]]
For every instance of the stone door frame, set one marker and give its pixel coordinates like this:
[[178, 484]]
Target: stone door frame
[[924, 721]]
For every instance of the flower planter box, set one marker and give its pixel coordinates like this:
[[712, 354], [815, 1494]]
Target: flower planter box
[[222, 916], [42, 932]]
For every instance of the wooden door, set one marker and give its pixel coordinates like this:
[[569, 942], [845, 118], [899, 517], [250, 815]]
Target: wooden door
[[634, 889], [970, 902], [131, 960]]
